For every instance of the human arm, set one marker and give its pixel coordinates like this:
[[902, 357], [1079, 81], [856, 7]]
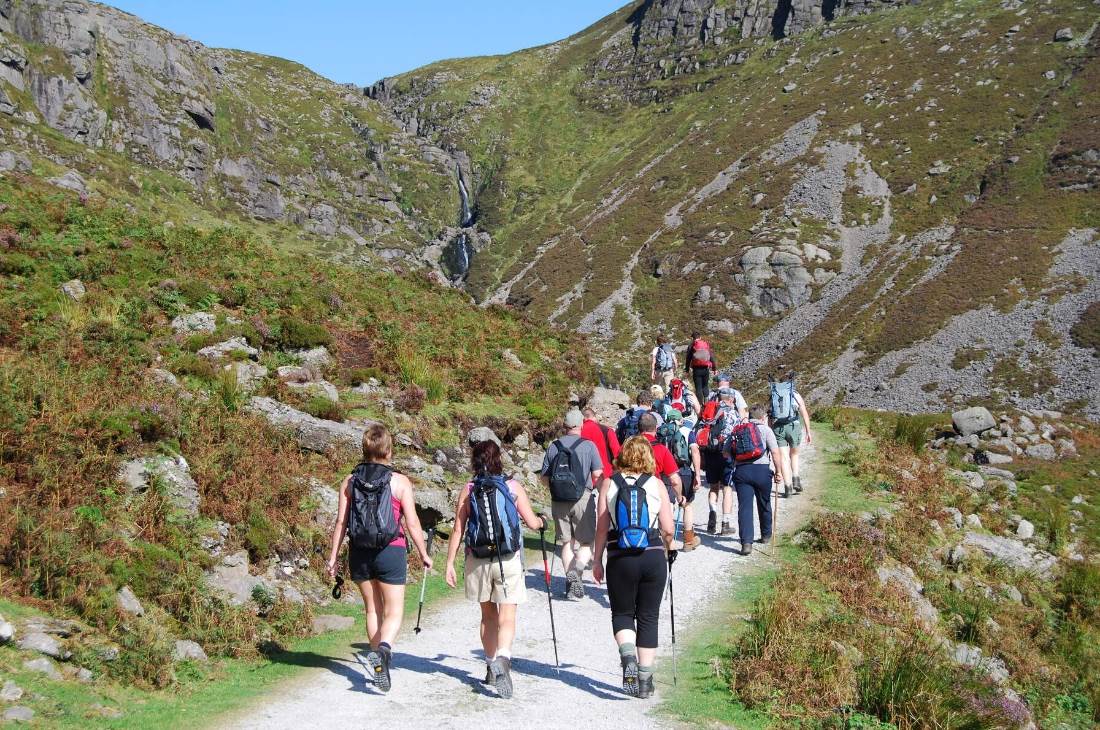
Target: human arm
[[805, 415], [603, 525], [413, 530], [697, 465], [677, 485], [742, 406], [665, 520], [653, 364], [613, 443], [462, 513], [340, 527]]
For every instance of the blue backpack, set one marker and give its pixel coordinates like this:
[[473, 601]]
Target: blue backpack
[[633, 525], [783, 408], [628, 424], [493, 528]]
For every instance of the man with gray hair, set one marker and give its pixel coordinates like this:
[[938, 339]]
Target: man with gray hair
[[571, 469]]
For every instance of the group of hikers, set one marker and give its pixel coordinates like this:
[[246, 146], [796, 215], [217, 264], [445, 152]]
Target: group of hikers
[[619, 497]]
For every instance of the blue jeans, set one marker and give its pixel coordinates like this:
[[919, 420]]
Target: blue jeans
[[753, 482]]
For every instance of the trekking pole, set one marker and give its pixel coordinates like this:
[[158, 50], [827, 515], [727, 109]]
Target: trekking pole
[[549, 598], [423, 583], [775, 513], [672, 612]]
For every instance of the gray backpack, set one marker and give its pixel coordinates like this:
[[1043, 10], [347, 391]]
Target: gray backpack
[[372, 523], [665, 360]]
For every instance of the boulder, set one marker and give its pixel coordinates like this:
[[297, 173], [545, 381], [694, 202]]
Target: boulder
[[128, 603], [966, 655], [1063, 34], [226, 349], [317, 357], [317, 389], [7, 631], [1043, 451], [972, 421], [42, 643], [327, 501], [74, 289], [186, 324], [10, 160], [1013, 553], [511, 359], [481, 433], [71, 180], [1067, 449], [249, 375], [974, 521], [52, 626], [904, 578], [1025, 530], [991, 457], [331, 622], [956, 517], [11, 692], [173, 473], [18, 714], [232, 580], [187, 650], [312, 434], [433, 506], [44, 666], [163, 378], [295, 374], [609, 404]]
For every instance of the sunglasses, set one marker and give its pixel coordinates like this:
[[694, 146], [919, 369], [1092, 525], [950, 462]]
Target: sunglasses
[[338, 589]]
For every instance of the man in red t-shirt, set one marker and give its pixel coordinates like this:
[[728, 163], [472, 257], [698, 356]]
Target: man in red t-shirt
[[607, 443], [667, 468]]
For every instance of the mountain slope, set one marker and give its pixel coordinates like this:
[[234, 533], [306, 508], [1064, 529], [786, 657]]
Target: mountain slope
[[867, 201]]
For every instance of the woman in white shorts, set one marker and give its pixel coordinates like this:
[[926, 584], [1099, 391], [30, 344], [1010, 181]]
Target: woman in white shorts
[[497, 584]]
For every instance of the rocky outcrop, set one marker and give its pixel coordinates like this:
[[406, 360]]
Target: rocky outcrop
[[313, 434], [173, 473]]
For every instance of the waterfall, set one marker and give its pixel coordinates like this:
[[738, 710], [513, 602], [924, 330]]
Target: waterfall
[[456, 256], [467, 217]]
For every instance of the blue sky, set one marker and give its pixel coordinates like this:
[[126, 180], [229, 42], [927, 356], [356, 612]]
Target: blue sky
[[362, 41]]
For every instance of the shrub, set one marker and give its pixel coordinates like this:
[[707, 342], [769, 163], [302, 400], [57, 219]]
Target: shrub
[[292, 333], [411, 399], [1086, 330], [319, 406], [1080, 591], [913, 430]]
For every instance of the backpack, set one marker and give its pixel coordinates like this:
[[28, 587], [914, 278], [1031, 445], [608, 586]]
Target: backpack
[[745, 442], [493, 528], [700, 357], [677, 398], [566, 483], [628, 424], [672, 437], [665, 361], [633, 523], [706, 424], [783, 407], [371, 521]]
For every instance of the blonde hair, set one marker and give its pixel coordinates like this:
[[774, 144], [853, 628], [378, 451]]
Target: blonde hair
[[377, 443], [636, 456]]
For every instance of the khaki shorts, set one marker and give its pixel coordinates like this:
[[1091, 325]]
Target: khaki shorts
[[789, 434], [576, 522], [483, 581]]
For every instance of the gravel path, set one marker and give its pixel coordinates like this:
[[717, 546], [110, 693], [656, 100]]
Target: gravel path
[[437, 675]]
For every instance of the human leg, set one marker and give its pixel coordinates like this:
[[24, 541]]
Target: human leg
[[621, 575], [762, 486], [651, 586], [745, 496], [372, 603], [785, 468], [489, 629], [393, 610]]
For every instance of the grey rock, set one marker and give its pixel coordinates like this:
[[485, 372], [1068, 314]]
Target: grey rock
[[312, 434], [1078, 499], [1002, 474], [1042, 451], [994, 458], [971, 656], [319, 388], [975, 420], [187, 650], [1067, 449], [789, 87], [194, 322], [1025, 530], [249, 375], [481, 433], [18, 714], [958, 556], [1026, 425], [128, 603], [906, 580], [956, 517], [325, 501], [233, 581], [1063, 34], [1013, 552], [1012, 593], [11, 692], [71, 180], [174, 474], [331, 622], [974, 521], [52, 626], [317, 357], [7, 631], [9, 160], [74, 289], [108, 713], [225, 349], [42, 643], [295, 374], [511, 359], [163, 378], [42, 665], [522, 441]]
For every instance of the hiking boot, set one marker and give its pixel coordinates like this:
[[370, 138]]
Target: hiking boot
[[645, 687], [786, 491], [500, 669], [712, 523], [488, 674], [383, 671], [746, 548], [374, 666], [574, 587], [797, 484], [691, 541], [630, 675]]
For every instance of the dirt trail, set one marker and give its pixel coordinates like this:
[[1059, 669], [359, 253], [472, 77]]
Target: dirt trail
[[437, 675]]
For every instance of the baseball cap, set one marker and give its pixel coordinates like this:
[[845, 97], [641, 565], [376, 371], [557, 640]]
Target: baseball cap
[[573, 418], [725, 392]]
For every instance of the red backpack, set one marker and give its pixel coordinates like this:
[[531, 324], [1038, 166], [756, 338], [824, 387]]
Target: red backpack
[[706, 424], [677, 397], [700, 356], [745, 442]]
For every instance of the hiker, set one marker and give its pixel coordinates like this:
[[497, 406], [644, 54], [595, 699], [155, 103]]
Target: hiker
[[740, 404], [700, 364], [680, 398], [634, 526], [753, 450], [678, 436], [374, 499], [716, 422], [494, 573], [662, 362], [572, 469], [668, 470], [628, 424], [607, 443], [789, 419]]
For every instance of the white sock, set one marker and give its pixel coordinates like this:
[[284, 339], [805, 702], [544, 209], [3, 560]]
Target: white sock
[[504, 654]]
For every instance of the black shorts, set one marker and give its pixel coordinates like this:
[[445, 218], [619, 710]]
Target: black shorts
[[714, 468], [687, 478], [387, 565]]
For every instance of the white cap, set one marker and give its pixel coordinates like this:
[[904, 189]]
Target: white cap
[[574, 418]]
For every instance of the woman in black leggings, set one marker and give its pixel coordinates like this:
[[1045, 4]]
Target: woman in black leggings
[[635, 575]]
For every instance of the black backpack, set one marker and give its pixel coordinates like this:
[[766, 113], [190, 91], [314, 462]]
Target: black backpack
[[567, 484], [371, 520], [628, 425]]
